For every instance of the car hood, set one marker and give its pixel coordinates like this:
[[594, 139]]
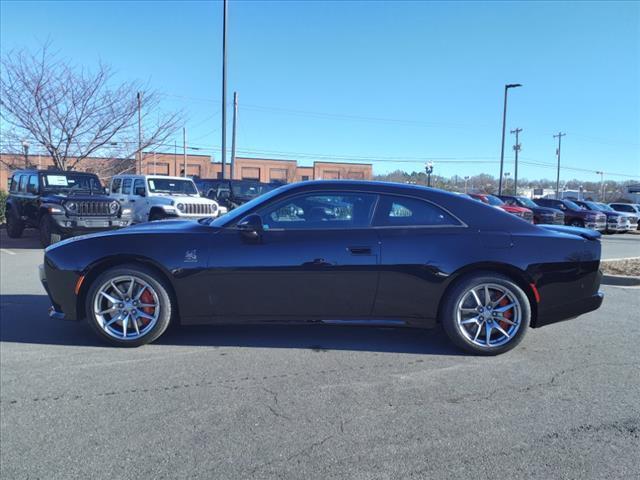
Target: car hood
[[585, 233], [514, 209], [148, 228], [61, 197], [547, 210]]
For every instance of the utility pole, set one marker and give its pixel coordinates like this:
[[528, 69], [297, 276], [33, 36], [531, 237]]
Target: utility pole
[[516, 148], [224, 87], [601, 185], [184, 151], [175, 156], [466, 179], [233, 135], [504, 126], [559, 137], [139, 132], [25, 149], [154, 163]]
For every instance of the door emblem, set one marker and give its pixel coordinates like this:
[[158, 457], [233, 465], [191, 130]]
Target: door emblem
[[191, 256]]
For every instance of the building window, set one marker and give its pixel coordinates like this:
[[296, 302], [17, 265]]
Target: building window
[[251, 173], [331, 175], [304, 178], [355, 175], [278, 175]]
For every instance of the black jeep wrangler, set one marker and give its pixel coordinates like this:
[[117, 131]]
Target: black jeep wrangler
[[232, 193], [60, 204]]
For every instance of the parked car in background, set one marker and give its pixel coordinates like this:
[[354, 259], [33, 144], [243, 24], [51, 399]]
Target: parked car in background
[[631, 209], [541, 215], [334, 252], [156, 197], [521, 212], [575, 215], [61, 204], [617, 222], [232, 193]]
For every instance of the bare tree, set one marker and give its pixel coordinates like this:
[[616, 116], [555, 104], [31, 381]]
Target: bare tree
[[73, 113]]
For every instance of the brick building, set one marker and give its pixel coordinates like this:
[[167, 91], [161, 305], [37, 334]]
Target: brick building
[[262, 169]]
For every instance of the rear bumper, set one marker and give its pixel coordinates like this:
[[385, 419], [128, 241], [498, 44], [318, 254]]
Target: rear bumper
[[570, 310]]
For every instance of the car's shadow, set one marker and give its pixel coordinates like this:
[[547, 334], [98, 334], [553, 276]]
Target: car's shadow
[[28, 241], [24, 319]]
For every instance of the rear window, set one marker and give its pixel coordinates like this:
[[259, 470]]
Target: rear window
[[395, 211], [115, 185], [23, 183]]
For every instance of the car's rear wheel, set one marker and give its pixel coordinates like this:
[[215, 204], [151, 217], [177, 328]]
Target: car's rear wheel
[[486, 314], [129, 306], [15, 226]]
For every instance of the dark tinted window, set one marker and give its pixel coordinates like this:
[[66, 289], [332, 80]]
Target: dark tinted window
[[15, 181], [139, 183], [395, 211], [33, 184], [320, 211], [23, 183], [623, 208], [115, 185], [126, 186]]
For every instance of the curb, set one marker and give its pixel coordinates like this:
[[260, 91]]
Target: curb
[[620, 280]]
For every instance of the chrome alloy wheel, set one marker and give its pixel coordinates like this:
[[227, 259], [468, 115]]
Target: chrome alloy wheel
[[126, 307], [489, 315]]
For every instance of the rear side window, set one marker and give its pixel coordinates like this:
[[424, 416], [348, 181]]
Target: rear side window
[[126, 186], [23, 183], [139, 183], [395, 211], [115, 185], [15, 181]]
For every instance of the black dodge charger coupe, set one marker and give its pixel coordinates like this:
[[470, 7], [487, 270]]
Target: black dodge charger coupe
[[339, 252]]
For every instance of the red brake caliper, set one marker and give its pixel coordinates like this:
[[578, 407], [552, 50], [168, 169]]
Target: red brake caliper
[[508, 314], [146, 297]]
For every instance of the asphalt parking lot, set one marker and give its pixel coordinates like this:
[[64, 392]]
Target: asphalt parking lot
[[315, 402]]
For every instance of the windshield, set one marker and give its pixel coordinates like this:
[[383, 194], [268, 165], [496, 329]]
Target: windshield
[[605, 208], [527, 202], [572, 206], [71, 182], [172, 186], [241, 211], [494, 201], [251, 189]]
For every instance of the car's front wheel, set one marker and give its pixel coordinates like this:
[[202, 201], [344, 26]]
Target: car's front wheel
[[15, 226], [129, 306], [486, 314]]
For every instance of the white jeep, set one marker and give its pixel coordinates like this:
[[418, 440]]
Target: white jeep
[[155, 197]]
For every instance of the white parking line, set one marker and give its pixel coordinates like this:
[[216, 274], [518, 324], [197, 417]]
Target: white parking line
[[9, 252], [618, 259]]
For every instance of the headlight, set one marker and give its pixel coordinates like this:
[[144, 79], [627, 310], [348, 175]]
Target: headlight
[[125, 212], [180, 207], [113, 207], [71, 206], [214, 207]]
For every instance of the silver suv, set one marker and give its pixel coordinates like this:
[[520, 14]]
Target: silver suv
[[156, 197]]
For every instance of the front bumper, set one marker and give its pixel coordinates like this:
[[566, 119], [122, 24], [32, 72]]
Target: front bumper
[[55, 311], [618, 227], [69, 225]]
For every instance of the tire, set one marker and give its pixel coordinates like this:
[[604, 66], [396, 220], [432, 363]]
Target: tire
[[156, 215], [460, 305], [15, 226], [577, 223], [148, 283], [45, 225]]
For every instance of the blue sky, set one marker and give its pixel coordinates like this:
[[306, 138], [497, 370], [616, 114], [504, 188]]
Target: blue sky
[[392, 83]]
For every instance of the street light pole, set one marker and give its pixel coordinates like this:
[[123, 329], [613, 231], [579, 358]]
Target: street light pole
[[25, 149], [429, 170], [466, 179], [504, 126], [224, 88], [506, 180], [516, 148]]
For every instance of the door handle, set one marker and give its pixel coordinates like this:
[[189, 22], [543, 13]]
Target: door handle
[[360, 250]]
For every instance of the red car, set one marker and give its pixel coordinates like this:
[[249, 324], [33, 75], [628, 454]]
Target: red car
[[521, 212]]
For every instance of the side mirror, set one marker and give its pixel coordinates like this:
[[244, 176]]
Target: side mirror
[[250, 227], [139, 191], [106, 191]]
